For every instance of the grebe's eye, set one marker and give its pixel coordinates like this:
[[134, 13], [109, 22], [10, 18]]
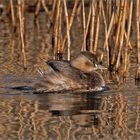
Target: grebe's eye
[[96, 65]]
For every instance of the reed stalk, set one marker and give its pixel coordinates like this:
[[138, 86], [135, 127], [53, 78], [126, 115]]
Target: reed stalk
[[128, 36], [117, 4], [97, 28], [78, 13], [43, 3], [93, 9], [117, 34], [109, 10], [73, 13], [87, 29], [53, 10], [45, 7], [21, 27], [121, 34], [84, 25], [105, 46], [37, 24], [12, 13], [70, 24], [138, 37], [56, 30], [107, 35], [37, 8], [67, 26], [59, 54]]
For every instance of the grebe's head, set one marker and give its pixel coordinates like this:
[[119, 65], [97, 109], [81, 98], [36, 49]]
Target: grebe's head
[[86, 62]]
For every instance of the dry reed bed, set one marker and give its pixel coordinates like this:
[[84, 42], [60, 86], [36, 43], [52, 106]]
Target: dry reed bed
[[114, 17]]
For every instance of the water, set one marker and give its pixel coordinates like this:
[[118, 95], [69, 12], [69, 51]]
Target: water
[[113, 114], [108, 115]]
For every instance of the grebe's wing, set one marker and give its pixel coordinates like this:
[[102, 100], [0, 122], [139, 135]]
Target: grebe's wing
[[58, 65], [64, 67]]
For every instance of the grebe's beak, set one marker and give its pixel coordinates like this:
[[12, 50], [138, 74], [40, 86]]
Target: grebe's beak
[[100, 67]]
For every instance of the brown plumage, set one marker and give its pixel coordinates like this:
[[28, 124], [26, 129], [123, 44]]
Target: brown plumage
[[76, 75]]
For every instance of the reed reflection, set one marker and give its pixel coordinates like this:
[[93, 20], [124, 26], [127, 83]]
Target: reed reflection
[[69, 116]]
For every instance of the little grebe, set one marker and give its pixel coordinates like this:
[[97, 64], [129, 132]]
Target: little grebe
[[76, 75]]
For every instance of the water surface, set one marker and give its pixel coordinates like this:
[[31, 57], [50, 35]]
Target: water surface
[[113, 114]]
